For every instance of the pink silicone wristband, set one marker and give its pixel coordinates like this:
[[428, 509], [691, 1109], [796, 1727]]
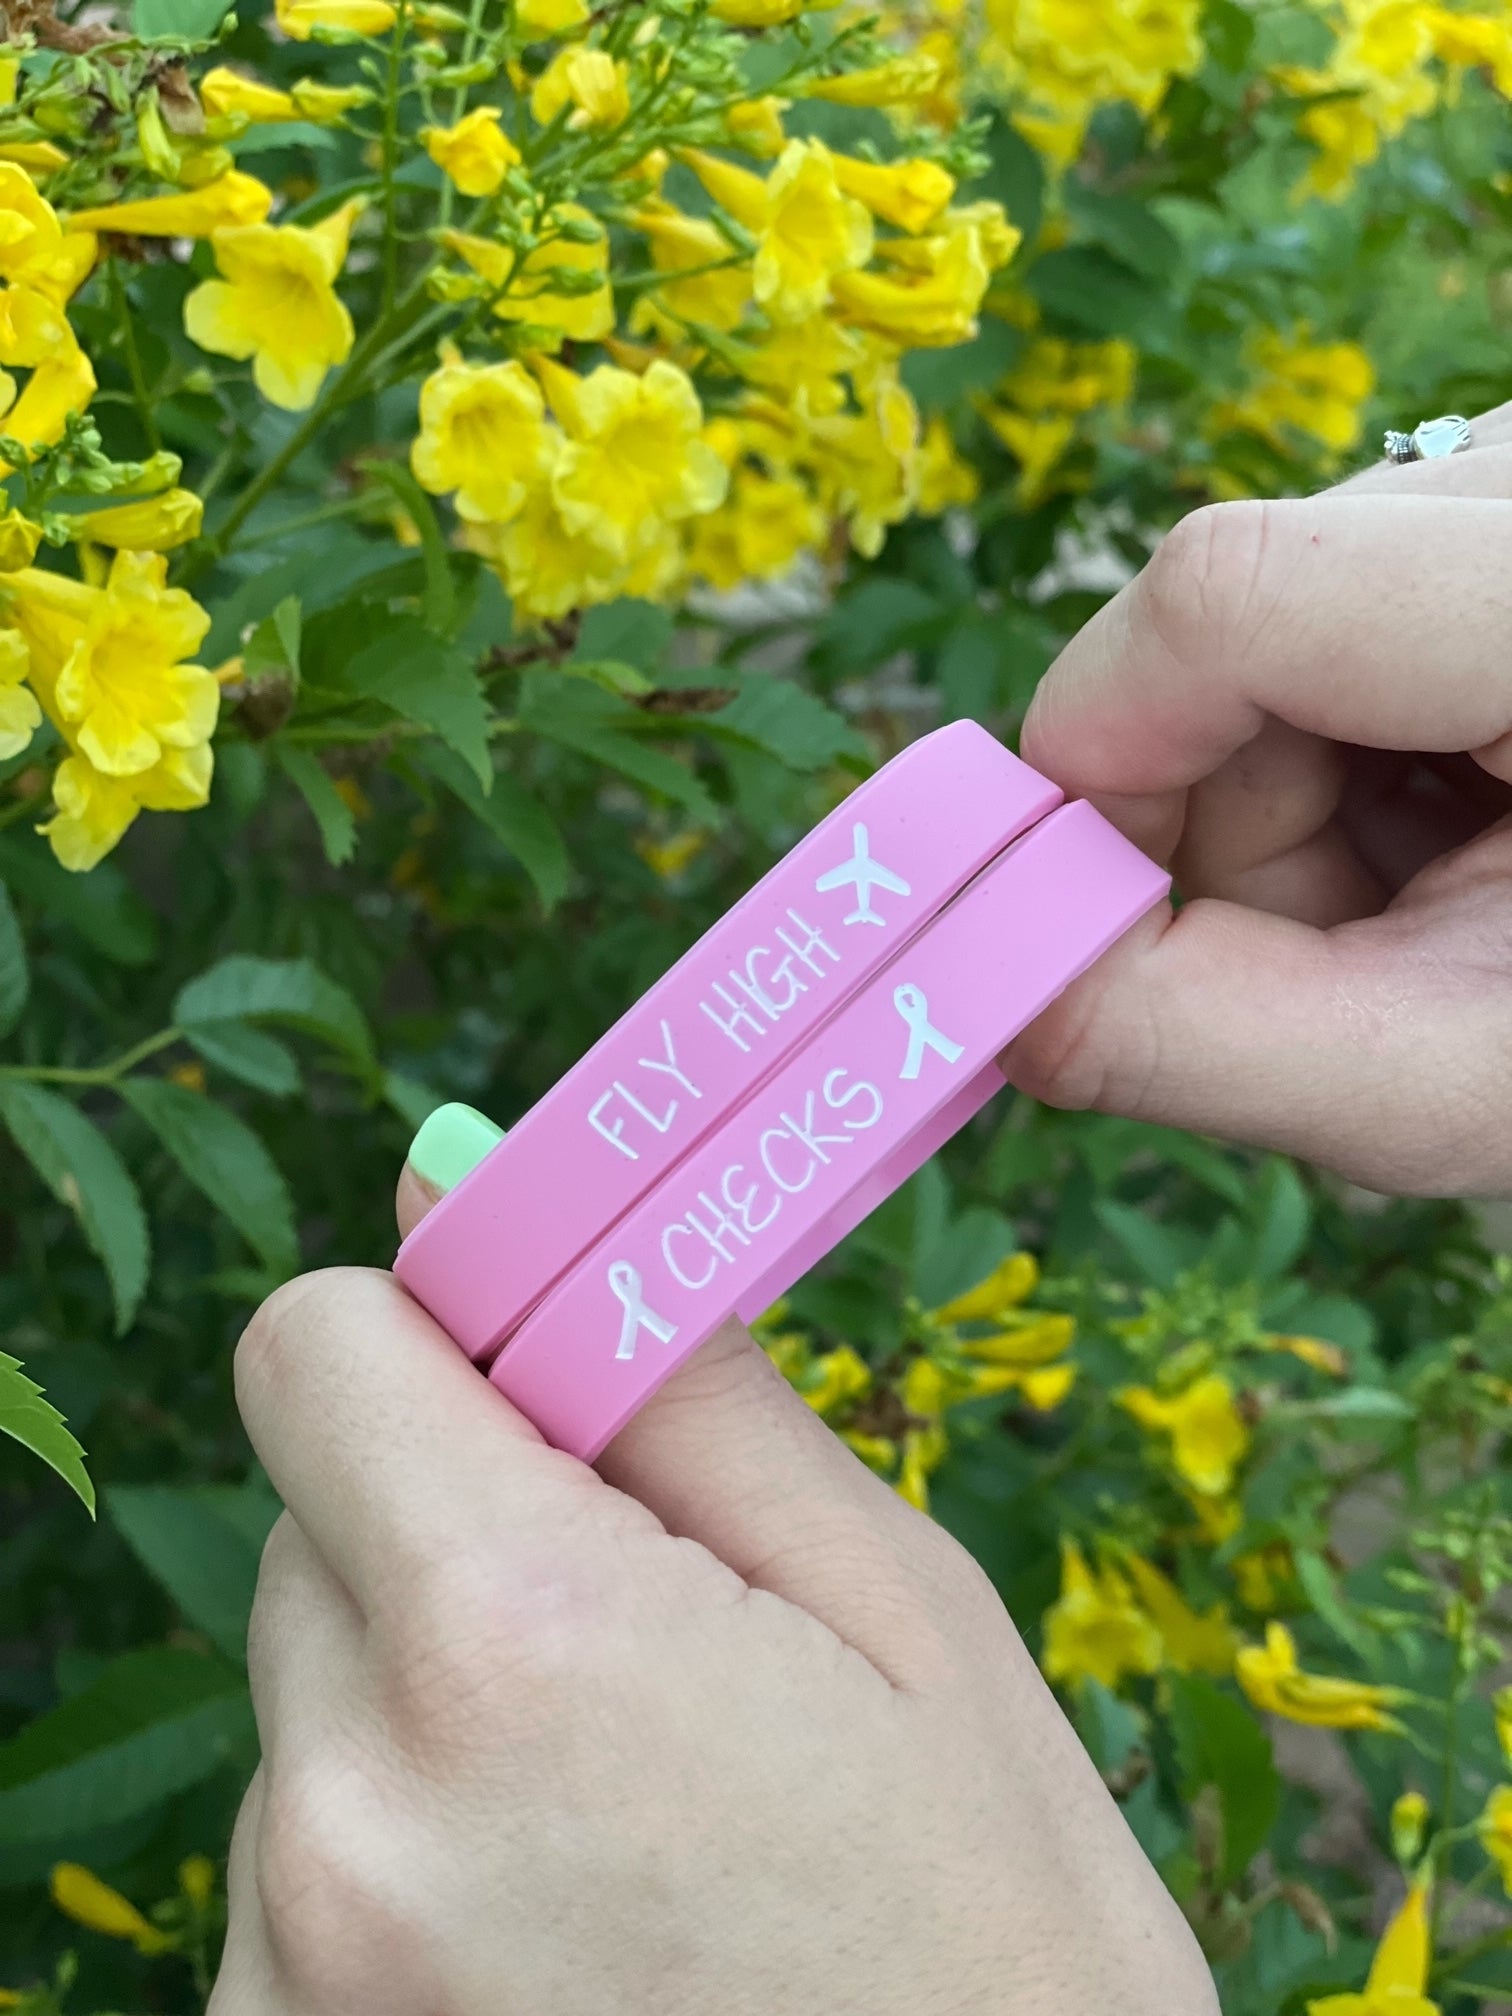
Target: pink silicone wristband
[[712, 1029], [872, 1093]]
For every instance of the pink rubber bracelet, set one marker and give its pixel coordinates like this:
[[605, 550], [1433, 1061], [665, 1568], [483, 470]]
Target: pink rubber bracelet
[[869, 1096], [712, 1029]]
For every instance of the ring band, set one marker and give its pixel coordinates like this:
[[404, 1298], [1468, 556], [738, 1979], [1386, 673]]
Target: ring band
[[1429, 440], [791, 952], [882, 1083]]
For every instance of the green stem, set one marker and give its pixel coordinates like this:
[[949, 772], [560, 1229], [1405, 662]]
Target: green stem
[[1450, 1964], [391, 97], [141, 397], [343, 508], [23, 808], [459, 97], [101, 1074]]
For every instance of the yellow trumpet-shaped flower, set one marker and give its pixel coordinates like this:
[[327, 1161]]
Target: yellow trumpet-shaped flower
[[108, 663], [758, 533], [1317, 390], [476, 153], [807, 229], [81, 1895], [867, 462], [947, 481], [540, 18], [902, 80], [1095, 1630], [276, 303], [20, 716], [1399, 1972], [229, 94], [37, 252], [1495, 1831], [930, 296], [483, 435], [527, 285], [924, 1450], [910, 194], [1208, 1438], [230, 201], [756, 125], [1030, 1342], [590, 80], [59, 386], [146, 525], [19, 540], [635, 458], [1192, 1641], [1011, 1282], [93, 810], [1409, 1824], [720, 284], [834, 1378], [336, 19], [1271, 1677], [756, 13], [547, 567]]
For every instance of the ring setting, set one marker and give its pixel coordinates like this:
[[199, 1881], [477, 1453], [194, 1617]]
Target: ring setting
[[1430, 439]]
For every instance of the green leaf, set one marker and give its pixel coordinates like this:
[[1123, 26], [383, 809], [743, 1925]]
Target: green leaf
[[192, 20], [433, 684], [790, 723], [224, 1159], [876, 619], [295, 992], [1322, 1592], [638, 633], [101, 906], [1127, 228], [83, 1171], [203, 1543], [1219, 1743], [37, 1425], [1156, 1249], [1109, 1728], [440, 609], [15, 978], [595, 724], [1283, 1214], [1016, 178], [1087, 287], [521, 822], [152, 1724], [249, 1054], [331, 812], [274, 644]]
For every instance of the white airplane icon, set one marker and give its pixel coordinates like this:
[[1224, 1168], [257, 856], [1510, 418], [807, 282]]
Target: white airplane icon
[[867, 875]]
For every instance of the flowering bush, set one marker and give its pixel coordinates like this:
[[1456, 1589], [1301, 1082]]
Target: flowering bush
[[481, 480]]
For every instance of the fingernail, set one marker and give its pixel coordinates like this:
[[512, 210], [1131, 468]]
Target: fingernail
[[450, 1144]]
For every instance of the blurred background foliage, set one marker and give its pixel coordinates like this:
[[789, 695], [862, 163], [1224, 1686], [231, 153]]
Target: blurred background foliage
[[1229, 1444]]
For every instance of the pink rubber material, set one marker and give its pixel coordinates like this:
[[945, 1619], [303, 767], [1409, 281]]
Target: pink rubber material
[[866, 1100], [790, 952]]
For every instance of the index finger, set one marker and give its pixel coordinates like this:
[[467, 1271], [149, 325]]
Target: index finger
[[1327, 612], [389, 1449]]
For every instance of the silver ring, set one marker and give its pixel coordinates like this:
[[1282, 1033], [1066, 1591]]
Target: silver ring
[[1448, 435]]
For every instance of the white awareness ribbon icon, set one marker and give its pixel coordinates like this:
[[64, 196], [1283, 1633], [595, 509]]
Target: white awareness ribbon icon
[[922, 1034], [625, 1283]]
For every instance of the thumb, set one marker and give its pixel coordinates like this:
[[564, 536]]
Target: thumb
[[727, 1454]]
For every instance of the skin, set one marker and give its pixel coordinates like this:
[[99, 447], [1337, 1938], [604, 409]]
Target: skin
[[723, 1725]]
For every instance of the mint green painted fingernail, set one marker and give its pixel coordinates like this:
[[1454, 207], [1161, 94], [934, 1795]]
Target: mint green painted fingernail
[[451, 1143]]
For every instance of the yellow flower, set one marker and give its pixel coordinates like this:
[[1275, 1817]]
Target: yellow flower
[[758, 533], [1313, 1351], [1347, 139], [226, 93], [1011, 1282], [1409, 1822], [149, 525], [20, 716], [1501, 1706], [539, 18], [324, 104], [276, 303], [475, 153], [38, 157], [1192, 1641], [483, 434], [589, 79], [924, 1450], [807, 229], [1042, 1387], [756, 13], [1064, 58], [1318, 390], [946, 479], [231, 200], [1399, 1972], [108, 665], [1059, 376], [1208, 1435], [37, 253], [1039, 444], [834, 1378], [196, 1874], [803, 361], [1095, 1630], [1474, 42], [681, 244], [1270, 1676], [59, 386], [635, 457], [584, 317], [901, 80], [1262, 1575], [929, 301], [1029, 1341], [1495, 1830], [867, 462], [756, 124], [19, 540], [668, 858], [337, 19], [910, 194], [80, 1895], [546, 567]]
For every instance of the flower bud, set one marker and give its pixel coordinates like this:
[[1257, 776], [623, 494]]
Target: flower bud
[[1409, 1823]]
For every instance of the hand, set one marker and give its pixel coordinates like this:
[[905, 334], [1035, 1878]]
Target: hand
[[1305, 707], [725, 1730]]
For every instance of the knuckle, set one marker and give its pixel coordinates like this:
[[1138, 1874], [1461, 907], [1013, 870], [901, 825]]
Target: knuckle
[[323, 1899], [1204, 585], [299, 1327]]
